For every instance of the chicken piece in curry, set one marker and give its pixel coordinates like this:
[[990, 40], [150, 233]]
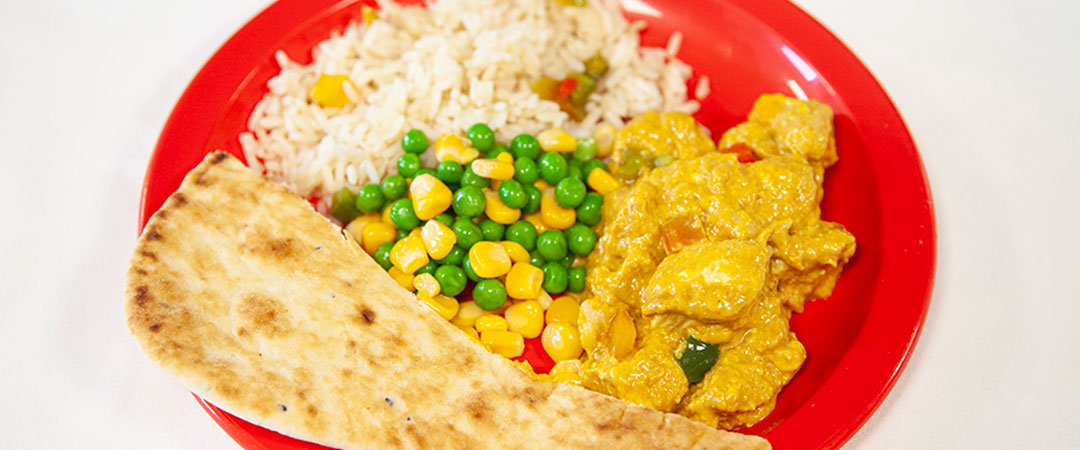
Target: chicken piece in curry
[[704, 256]]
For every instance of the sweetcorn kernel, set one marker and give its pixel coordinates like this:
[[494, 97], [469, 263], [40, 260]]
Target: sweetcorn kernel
[[490, 322], [505, 343], [563, 309], [556, 140], [561, 341], [526, 317], [467, 314], [444, 306]]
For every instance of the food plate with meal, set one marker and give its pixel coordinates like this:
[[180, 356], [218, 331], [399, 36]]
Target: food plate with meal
[[542, 222]]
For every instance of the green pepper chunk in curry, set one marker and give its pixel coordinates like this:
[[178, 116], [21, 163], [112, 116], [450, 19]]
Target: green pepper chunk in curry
[[721, 243]]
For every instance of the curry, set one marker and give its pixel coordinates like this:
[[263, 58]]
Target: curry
[[703, 258]]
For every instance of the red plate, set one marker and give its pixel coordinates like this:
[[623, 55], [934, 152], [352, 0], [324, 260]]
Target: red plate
[[858, 340]]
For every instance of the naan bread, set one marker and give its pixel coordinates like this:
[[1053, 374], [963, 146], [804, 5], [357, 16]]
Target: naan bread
[[260, 305]]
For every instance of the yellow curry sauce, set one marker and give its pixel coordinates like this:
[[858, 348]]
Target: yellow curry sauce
[[709, 247]]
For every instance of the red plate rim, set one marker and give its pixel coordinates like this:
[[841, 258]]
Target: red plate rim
[[845, 401]]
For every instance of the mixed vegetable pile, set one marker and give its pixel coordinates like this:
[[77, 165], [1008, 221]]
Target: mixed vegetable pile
[[494, 238], [494, 234], [572, 92]]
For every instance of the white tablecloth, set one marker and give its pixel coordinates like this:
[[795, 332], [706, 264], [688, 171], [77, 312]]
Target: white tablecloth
[[988, 89]]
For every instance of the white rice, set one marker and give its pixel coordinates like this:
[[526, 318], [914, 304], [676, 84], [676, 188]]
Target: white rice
[[443, 68], [702, 89]]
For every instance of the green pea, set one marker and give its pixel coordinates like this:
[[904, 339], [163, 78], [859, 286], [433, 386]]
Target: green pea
[[451, 279], [408, 164], [555, 278], [581, 239], [553, 167], [586, 149], [449, 172], [468, 233], [535, 258], [513, 194], [526, 171], [393, 187], [427, 171], [697, 359], [497, 150], [493, 231], [445, 219], [552, 245], [466, 266], [470, 178], [567, 260], [481, 136], [588, 167], [469, 201], [525, 145], [523, 233], [534, 199], [415, 141], [382, 255], [589, 211], [570, 192], [455, 257], [403, 215], [400, 234], [343, 206], [576, 279], [489, 294], [428, 268], [370, 198], [575, 173]]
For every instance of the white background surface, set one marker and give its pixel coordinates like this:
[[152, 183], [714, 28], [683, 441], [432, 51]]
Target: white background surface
[[988, 89]]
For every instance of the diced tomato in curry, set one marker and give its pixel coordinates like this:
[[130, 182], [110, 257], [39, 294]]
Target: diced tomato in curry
[[743, 151], [681, 233]]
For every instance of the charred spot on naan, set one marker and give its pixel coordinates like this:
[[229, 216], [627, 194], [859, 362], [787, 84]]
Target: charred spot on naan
[[142, 295], [477, 408], [152, 233], [363, 315], [419, 437], [147, 311], [263, 245], [214, 159], [148, 255], [263, 315]]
